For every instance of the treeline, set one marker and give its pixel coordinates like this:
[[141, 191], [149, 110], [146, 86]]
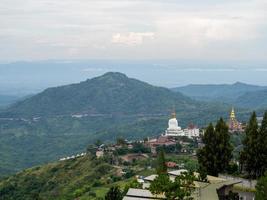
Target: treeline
[[216, 155]]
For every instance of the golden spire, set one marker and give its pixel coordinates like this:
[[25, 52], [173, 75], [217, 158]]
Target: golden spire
[[232, 115], [173, 112]]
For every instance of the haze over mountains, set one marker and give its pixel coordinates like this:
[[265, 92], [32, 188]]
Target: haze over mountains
[[112, 93], [237, 94], [63, 120], [23, 78]]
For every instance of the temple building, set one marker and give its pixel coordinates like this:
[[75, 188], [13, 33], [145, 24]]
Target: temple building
[[192, 131], [174, 130], [234, 125]]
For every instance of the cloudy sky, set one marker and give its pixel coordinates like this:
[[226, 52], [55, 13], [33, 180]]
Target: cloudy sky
[[133, 29]]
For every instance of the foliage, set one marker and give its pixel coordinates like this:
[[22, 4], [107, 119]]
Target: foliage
[[202, 173], [161, 163], [181, 188], [133, 184], [139, 148], [217, 152], [170, 148], [232, 196], [63, 180], [110, 106], [254, 155], [114, 194], [261, 188], [232, 168]]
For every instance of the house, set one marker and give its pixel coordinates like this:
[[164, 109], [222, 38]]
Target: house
[[171, 164], [215, 189], [140, 194], [161, 141], [99, 153]]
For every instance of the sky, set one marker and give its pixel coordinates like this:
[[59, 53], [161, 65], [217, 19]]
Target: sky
[[167, 43], [222, 30]]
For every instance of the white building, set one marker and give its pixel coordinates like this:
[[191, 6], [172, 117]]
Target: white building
[[174, 130], [192, 131]]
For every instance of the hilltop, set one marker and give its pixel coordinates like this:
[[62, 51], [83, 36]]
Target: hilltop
[[65, 119], [112, 93]]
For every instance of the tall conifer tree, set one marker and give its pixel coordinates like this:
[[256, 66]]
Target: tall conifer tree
[[161, 163], [262, 142], [217, 152], [250, 155]]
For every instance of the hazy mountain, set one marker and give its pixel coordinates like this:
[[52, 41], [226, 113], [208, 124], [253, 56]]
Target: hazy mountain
[[6, 100], [113, 105], [253, 100], [223, 93], [112, 93]]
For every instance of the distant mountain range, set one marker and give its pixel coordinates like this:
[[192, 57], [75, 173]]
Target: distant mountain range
[[112, 93], [237, 94], [6, 100], [63, 120]]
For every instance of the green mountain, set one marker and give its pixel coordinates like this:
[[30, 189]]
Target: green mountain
[[6, 100], [112, 93], [227, 93], [255, 99], [72, 179], [62, 121]]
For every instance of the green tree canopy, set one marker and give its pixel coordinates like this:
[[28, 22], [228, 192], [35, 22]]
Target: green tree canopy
[[263, 145], [261, 188], [215, 156], [179, 189], [254, 151], [114, 193], [161, 163]]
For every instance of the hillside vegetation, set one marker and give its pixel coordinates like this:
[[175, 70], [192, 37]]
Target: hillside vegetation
[[237, 94], [106, 107], [256, 99], [69, 179], [112, 93]]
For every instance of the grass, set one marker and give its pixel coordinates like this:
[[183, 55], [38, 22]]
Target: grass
[[244, 189]]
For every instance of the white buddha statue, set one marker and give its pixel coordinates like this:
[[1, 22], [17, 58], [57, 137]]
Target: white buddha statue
[[174, 129]]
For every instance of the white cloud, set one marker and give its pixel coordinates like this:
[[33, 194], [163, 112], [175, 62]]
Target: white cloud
[[132, 38], [44, 29]]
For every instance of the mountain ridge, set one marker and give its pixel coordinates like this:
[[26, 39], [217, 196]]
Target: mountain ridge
[[227, 93], [109, 93], [65, 119]]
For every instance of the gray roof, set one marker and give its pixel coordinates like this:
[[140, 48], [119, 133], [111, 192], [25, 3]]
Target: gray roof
[[135, 194]]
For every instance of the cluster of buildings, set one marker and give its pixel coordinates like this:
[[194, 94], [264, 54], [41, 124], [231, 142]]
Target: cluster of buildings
[[174, 130], [214, 189], [72, 157]]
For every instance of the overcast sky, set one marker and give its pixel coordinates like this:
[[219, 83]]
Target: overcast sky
[[133, 29]]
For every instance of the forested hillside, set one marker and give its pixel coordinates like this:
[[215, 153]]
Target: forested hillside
[[226, 93], [64, 120]]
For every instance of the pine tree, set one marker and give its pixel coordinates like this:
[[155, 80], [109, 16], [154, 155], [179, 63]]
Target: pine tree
[[114, 193], [217, 152], [262, 142], [261, 188], [161, 163], [251, 154], [223, 146]]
